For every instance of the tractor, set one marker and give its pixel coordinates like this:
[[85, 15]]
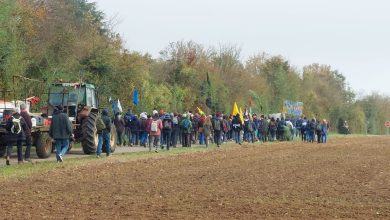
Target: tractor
[[79, 101]]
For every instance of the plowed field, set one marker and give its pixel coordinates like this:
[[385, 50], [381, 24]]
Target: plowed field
[[346, 178]]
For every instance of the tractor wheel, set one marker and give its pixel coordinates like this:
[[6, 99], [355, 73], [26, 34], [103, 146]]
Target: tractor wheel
[[90, 137], [3, 149], [112, 140], [44, 145]]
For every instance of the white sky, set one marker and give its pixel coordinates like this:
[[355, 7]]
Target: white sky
[[353, 36]]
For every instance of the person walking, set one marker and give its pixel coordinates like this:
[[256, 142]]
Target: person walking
[[324, 128], [167, 130], [27, 119], [217, 127], [60, 130], [237, 127], [207, 127], [120, 128], [100, 126], [155, 132], [134, 128], [186, 128], [106, 131], [16, 127]]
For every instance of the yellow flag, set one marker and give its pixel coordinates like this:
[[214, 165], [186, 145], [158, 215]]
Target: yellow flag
[[241, 116], [200, 111], [235, 109]]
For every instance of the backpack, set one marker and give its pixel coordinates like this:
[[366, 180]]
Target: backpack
[[217, 125], [272, 125], [319, 127], [186, 124], [100, 124], [16, 126], [154, 126], [175, 120], [225, 126], [313, 125], [249, 126], [167, 124], [127, 119]]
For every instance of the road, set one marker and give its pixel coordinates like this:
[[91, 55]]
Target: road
[[74, 153]]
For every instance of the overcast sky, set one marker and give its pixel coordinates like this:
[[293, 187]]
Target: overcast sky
[[353, 36]]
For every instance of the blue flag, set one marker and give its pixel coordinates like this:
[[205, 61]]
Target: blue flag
[[135, 97], [113, 107]]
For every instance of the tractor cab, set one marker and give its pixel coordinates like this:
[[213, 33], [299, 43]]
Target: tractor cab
[[77, 99]]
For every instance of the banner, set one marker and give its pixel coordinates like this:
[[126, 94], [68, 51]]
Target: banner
[[293, 108]]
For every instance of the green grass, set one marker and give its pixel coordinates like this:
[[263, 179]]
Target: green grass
[[26, 170]]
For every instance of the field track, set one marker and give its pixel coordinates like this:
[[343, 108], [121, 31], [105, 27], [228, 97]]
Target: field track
[[346, 178]]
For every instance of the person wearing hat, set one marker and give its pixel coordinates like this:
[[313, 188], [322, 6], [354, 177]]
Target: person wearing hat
[[60, 130], [16, 127]]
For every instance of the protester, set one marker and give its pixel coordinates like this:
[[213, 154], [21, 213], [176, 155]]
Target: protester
[[100, 126], [167, 130], [60, 130], [175, 130], [106, 131], [16, 127], [143, 133], [324, 128], [218, 128], [155, 132], [207, 127], [120, 128], [27, 119], [200, 128], [186, 128], [127, 118], [237, 127], [134, 129]]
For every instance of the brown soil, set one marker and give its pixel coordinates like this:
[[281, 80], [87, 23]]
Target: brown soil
[[346, 178]]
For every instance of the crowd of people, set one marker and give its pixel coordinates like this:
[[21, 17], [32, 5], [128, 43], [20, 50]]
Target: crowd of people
[[161, 130], [171, 129]]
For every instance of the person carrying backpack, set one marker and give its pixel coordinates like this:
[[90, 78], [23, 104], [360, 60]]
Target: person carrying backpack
[[218, 128], [167, 130], [16, 127], [186, 128], [272, 129], [134, 129], [264, 129], [237, 127], [127, 118], [155, 132], [175, 129]]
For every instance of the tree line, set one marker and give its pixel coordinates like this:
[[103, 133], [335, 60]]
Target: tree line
[[71, 40]]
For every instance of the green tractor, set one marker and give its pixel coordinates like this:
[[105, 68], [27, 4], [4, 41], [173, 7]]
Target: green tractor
[[81, 104], [79, 101]]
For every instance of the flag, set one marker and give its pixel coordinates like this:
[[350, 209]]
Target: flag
[[241, 116], [200, 111], [235, 109], [109, 99], [119, 106], [135, 97], [113, 107]]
